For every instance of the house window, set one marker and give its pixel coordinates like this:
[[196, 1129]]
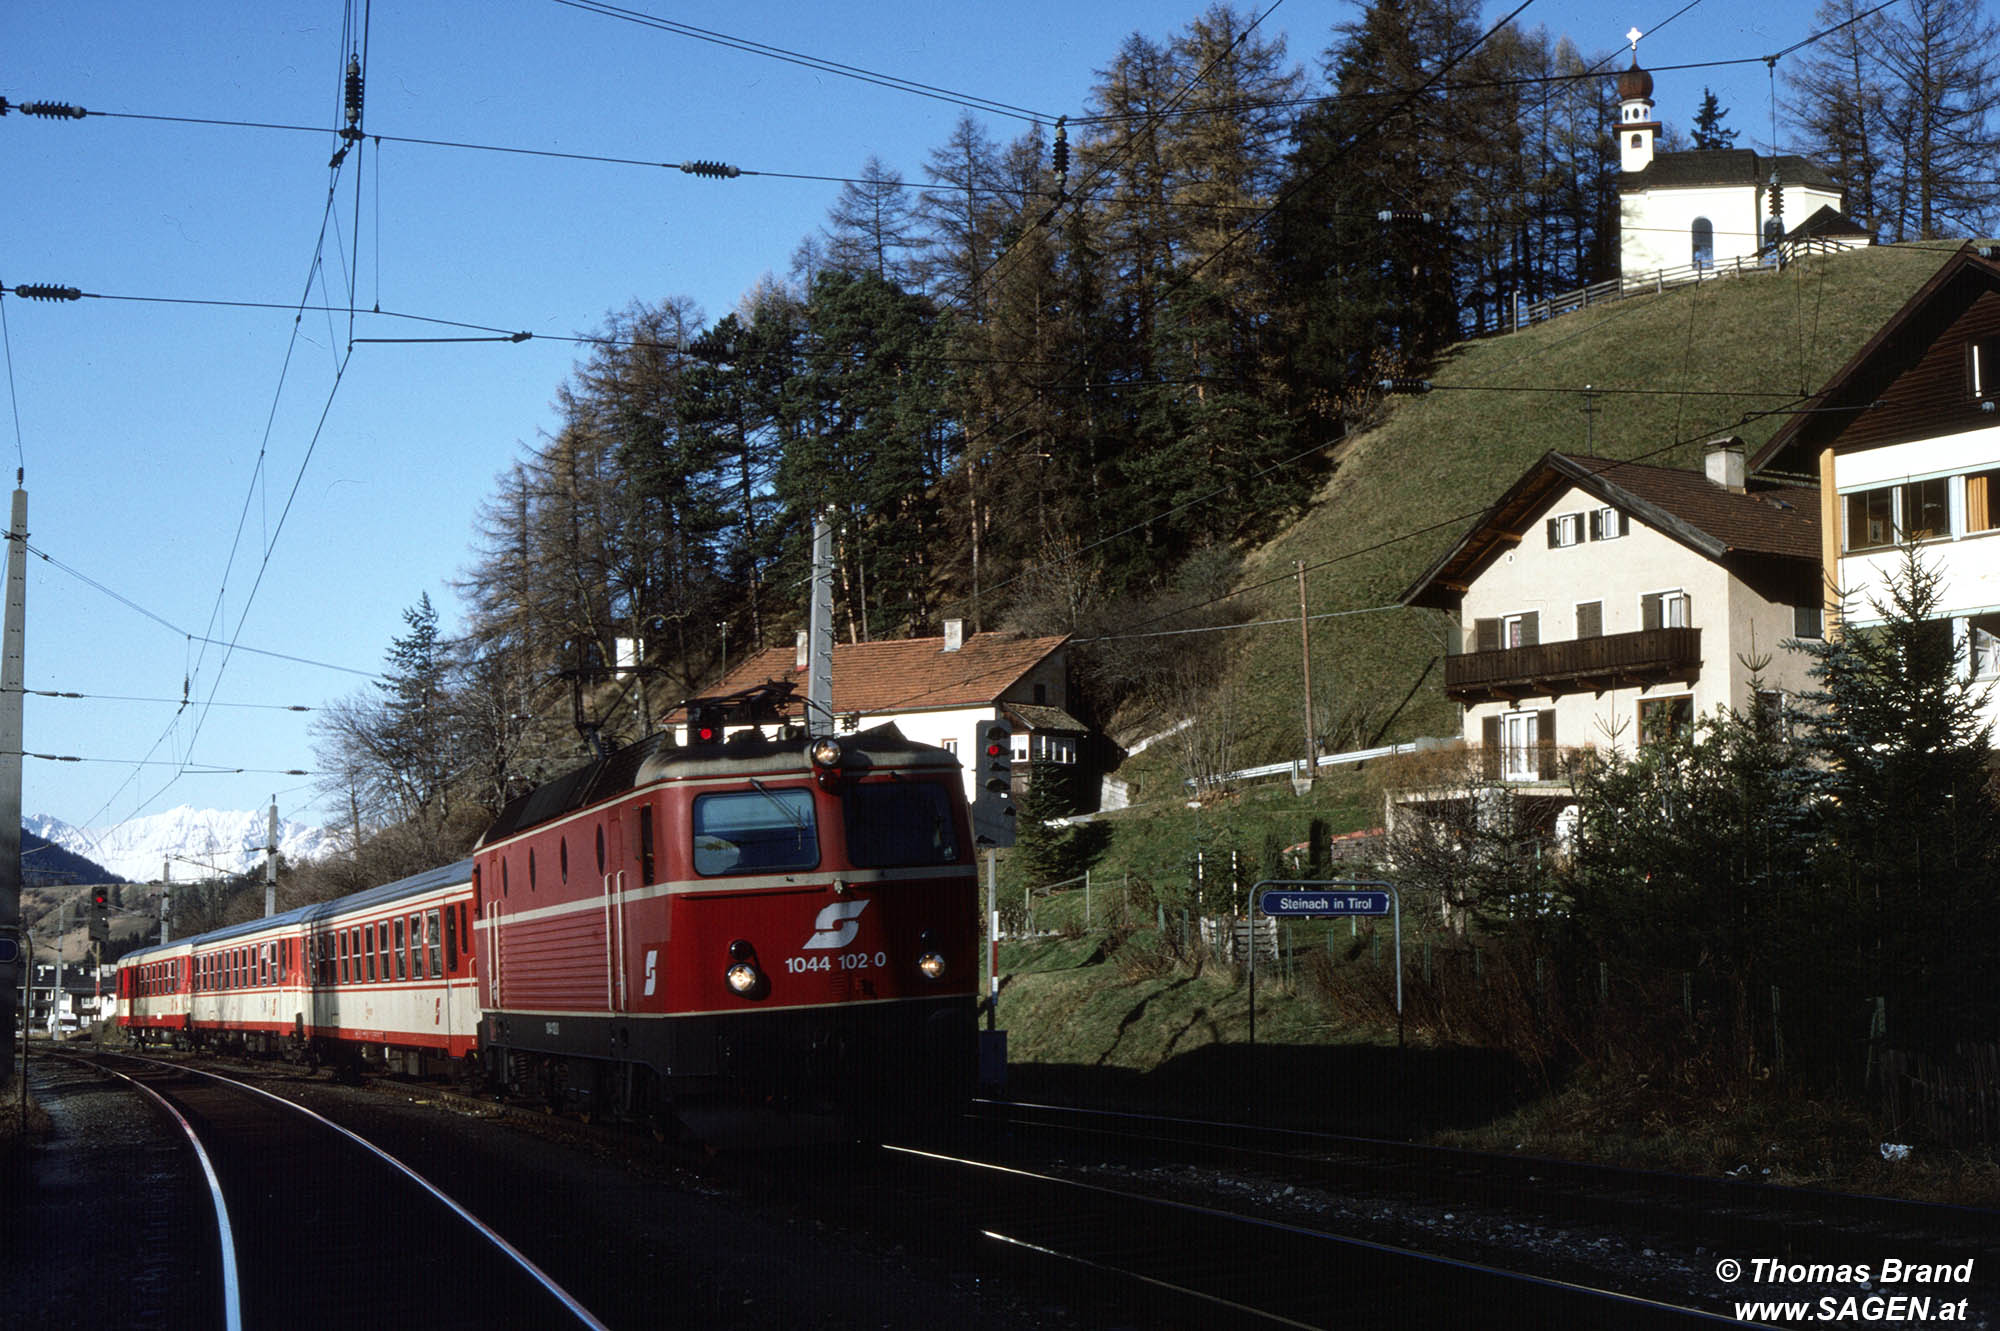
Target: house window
[[1982, 367], [1983, 632], [1808, 621], [1590, 619], [950, 744], [1871, 518], [1926, 508], [1521, 746], [1703, 235], [1054, 749], [1767, 713], [1608, 524], [1566, 529], [1665, 610], [1041, 693], [1981, 513], [1920, 510], [1520, 630], [1666, 718]]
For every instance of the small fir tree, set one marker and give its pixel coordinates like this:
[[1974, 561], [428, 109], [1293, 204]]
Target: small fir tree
[[1709, 134]]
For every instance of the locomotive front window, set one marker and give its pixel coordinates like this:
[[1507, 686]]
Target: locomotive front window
[[899, 823], [755, 831]]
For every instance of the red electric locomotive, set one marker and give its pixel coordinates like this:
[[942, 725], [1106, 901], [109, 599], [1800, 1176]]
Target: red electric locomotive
[[782, 923]]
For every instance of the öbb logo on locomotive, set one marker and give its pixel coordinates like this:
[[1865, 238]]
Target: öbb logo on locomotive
[[836, 926]]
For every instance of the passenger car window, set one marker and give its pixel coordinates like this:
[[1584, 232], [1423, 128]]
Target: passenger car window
[[753, 831]]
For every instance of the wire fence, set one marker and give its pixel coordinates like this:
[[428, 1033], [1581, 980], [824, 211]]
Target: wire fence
[[1551, 1008]]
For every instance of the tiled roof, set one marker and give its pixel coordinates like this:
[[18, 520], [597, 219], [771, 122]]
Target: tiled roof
[[1768, 521], [1724, 166], [1042, 718], [1774, 520], [906, 675]]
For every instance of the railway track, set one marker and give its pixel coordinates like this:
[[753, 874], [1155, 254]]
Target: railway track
[[1646, 1233], [317, 1227], [1720, 1212], [1122, 1256]]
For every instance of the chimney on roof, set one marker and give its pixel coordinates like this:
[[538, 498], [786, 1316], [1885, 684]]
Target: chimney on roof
[[954, 634], [1723, 461], [799, 663]]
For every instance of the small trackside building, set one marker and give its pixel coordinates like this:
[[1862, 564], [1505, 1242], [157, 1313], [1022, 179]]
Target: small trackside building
[[1599, 602], [937, 691]]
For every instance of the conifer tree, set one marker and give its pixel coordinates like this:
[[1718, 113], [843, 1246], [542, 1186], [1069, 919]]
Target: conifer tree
[[1709, 135]]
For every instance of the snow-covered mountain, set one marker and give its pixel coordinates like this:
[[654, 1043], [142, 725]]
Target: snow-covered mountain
[[226, 841]]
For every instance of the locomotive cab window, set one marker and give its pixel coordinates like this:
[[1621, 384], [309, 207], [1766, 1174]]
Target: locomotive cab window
[[755, 831], [891, 823]]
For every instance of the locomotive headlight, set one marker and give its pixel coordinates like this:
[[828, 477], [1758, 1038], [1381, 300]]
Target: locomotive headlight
[[824, 754], [744, 978], [932, 965]]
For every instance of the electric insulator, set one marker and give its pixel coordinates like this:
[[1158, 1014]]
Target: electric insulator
[[717, 170], [354, 91], [1410, 386], [1401, 215], [43, 292], [1061, 153], [52, 110]]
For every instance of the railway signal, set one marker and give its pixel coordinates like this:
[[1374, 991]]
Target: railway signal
[[100, 914], [993, 785]]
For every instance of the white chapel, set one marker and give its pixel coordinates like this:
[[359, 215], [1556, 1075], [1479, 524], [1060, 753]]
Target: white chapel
[[1683, 212]]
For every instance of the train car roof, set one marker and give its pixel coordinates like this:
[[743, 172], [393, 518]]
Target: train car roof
[[748, 753], [415, 885]]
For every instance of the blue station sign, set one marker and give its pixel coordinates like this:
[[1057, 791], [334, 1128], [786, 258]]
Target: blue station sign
[[1342, 901]]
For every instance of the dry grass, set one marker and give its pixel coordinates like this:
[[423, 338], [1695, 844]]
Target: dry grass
[[14, 1128], [1404, 490]]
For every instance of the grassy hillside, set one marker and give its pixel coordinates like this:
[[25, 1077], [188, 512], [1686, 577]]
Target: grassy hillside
[[1670, 370]]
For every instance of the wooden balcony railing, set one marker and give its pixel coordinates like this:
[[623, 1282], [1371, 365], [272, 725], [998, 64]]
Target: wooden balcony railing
[[1617, 660]]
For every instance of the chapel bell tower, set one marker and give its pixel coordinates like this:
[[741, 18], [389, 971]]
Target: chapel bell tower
[[1636, 129]]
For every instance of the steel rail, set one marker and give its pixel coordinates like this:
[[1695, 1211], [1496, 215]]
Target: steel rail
[[519, 1258], [232, 1294]]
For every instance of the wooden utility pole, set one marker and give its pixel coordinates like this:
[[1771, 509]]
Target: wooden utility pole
[[1306, 657]]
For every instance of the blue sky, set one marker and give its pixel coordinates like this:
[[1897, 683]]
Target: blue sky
[[193, 470]]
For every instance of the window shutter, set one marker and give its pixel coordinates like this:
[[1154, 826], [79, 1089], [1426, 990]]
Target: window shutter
[[1554, 540], [1486, 635], [1624, 523], [1545, 744], [1590, 619], [1489, 748], [1649, 610], [1531, 628], [1596, 524]]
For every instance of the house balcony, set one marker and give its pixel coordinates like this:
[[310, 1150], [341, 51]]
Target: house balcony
[[1616, 660]]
